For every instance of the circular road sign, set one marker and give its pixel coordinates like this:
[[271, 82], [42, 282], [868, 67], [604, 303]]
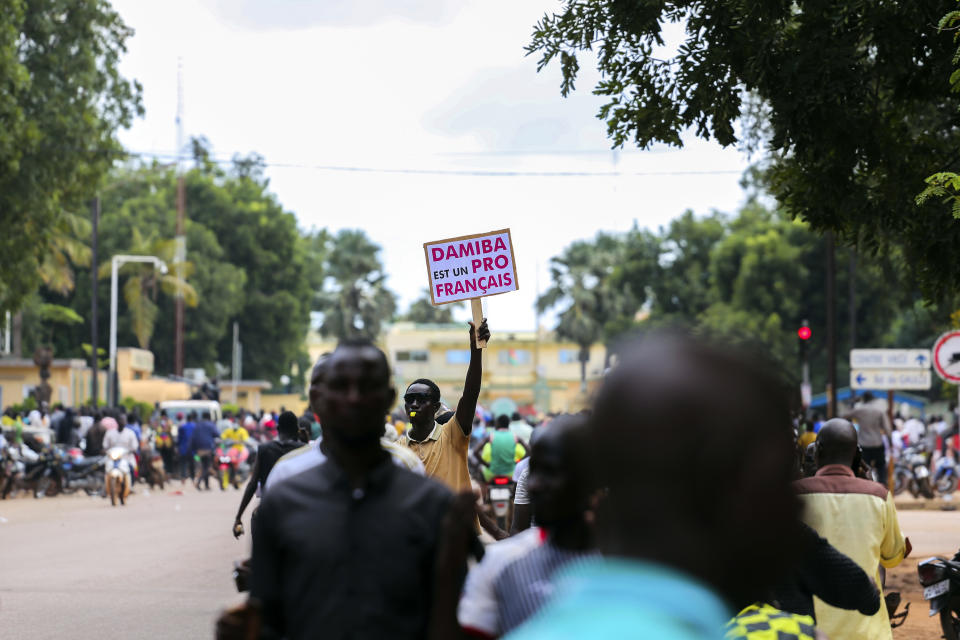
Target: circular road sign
[[946, 357]]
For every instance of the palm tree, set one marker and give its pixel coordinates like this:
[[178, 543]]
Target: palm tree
[[581, 283], [66, 250], [140, 288], [357, 303]]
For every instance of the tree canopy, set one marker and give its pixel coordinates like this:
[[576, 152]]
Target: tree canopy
[[62, 100], [849, 100]]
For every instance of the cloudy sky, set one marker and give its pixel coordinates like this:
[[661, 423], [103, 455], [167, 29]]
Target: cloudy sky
[[437, 106]]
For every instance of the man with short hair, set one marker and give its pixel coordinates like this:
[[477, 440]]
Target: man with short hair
[[185, 454], [516, 576], [681, 552], [520, 428], [346, 549], [858, 518], [312, 455], [874, 427], [443, 446], [501, 450], [202, 442], [267, 456]]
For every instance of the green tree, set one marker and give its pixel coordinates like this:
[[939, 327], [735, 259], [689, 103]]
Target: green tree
[[580, 285], [62, 100], [848, 98], [423, 310], [356, 302]]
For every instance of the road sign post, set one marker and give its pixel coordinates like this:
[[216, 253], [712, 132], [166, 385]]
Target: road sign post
[[890, 369]]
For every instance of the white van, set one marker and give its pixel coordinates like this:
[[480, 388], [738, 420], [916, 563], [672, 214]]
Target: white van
[[173, 407]]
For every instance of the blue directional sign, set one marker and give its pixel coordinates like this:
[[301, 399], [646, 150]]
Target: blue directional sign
[[890, 359], [890, 378]]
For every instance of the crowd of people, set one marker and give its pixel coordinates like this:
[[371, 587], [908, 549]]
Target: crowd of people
[[185, 442], [370, 532], [372, 524]]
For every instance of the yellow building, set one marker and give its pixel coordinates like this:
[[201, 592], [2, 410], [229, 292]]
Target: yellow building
[[70, 380], [534, 370]]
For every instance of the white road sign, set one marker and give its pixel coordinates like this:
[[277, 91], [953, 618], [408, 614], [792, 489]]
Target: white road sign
[[946, 357], [890, 358], [890, 378]]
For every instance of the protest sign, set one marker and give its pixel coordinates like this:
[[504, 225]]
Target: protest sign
[[471, 267]]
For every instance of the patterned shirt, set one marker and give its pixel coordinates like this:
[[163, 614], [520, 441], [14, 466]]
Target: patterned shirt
[[763, 622]]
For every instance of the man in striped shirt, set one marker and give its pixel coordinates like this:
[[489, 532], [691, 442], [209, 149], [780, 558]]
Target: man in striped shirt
[[516, 575]]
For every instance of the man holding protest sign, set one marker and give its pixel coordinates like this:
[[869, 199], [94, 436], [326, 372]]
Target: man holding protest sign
[[441, 442]]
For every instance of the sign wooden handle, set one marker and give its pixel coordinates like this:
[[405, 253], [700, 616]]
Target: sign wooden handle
[[476, 305]]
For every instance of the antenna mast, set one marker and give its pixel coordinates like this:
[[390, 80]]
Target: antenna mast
[[180, 255]]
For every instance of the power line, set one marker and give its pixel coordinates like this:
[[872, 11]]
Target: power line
[[448, 172]]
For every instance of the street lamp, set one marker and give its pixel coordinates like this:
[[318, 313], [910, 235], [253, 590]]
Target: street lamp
[[115, 264]]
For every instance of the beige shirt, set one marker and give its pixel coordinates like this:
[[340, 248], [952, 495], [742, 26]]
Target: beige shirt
[[858, 518], [444, 454]]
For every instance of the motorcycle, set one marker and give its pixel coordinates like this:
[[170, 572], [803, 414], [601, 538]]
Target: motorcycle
[[911, 472], [500, 492], [940, 579], [232, 463], [117, 476], [945, 475], [153, 470], [80, 473]]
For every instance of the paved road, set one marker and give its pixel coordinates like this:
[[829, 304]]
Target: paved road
[[74, 567]]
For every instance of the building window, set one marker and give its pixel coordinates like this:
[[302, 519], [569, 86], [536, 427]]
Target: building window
[[568, 356], [414, 356], [458, 356], [514, 356]]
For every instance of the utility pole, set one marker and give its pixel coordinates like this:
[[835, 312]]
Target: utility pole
[[235, 368], [180, 251], [852, 302], [94, 262], [831, 326]]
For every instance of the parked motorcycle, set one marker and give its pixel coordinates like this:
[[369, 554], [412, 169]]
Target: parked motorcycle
[[117, 477], [912, 472], [82, 474], [945, 475], [940, 579]]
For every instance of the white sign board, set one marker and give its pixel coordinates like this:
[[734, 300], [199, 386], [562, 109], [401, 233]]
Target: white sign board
[[470, 266], [890, 358], [890, 378], [946, 357]]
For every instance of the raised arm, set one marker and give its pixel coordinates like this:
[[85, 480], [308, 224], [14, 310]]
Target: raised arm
[[467, 407]]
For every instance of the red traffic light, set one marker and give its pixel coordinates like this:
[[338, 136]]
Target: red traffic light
[[804, 333]]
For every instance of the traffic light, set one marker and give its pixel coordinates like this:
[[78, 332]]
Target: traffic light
[[804, 332]]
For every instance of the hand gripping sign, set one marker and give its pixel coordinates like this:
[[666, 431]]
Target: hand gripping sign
[[469, 268]]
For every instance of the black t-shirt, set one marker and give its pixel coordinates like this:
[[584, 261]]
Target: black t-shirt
[[269, 453]]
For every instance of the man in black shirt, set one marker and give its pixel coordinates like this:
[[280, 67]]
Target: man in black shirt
[[347, 549], [267, 456]]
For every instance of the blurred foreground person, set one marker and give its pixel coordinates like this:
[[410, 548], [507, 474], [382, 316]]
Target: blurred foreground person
[[516, 576], [321, 567], [682, 551], [267, 456], [859, 518]]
